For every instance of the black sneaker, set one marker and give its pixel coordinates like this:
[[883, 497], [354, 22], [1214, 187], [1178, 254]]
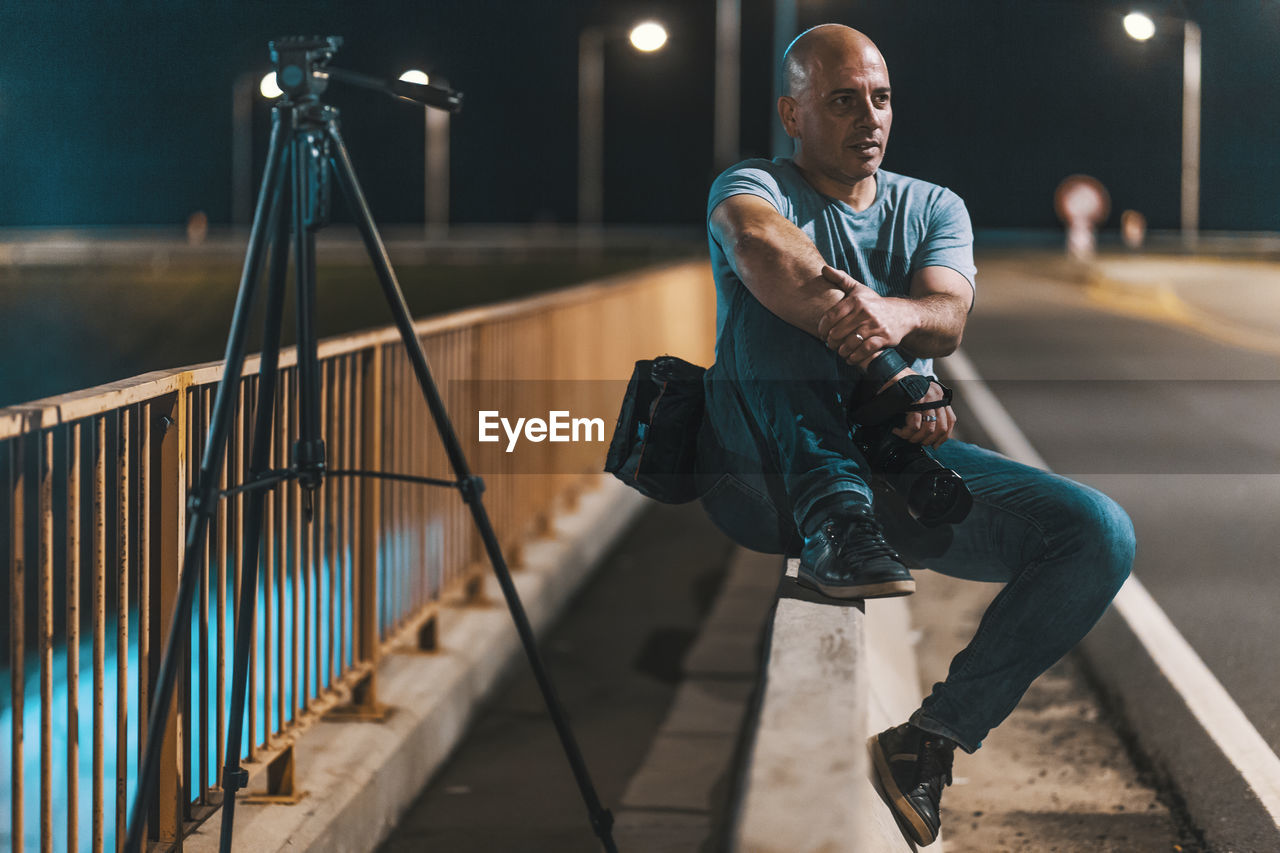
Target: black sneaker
[[847, 557], [913, 766]]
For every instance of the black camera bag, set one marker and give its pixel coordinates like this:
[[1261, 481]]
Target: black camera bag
[[655, 443]]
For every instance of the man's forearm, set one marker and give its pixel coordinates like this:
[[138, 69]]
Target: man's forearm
[[939, 325], [784, 272], [776, 261]]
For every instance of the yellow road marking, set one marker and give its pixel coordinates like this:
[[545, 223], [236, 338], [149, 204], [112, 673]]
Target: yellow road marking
[[1159, 303]]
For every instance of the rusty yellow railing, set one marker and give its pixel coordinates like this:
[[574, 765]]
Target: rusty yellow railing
[[92, 523]]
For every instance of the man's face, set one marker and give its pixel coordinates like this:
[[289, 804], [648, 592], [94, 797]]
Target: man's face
[[842, 115]]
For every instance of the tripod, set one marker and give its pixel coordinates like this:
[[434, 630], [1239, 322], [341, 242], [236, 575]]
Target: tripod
[[306, 151]]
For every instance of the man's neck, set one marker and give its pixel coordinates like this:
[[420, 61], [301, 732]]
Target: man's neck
[[859, 195]]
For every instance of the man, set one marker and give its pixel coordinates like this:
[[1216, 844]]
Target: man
[[828, 268]]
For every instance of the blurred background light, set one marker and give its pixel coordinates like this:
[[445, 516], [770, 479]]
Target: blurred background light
[[648, 36], [413, 75], [268, 86], [1139, 26]]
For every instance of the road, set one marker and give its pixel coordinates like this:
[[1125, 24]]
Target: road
[[1123, 392]]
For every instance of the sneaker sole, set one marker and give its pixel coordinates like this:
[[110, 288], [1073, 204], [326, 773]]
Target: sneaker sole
[[920, 832], [888, 589]]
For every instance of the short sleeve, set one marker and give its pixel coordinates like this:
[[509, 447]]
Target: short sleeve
[[747, 178], [948, 238]]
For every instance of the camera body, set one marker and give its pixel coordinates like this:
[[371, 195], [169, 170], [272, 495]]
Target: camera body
[[934, 494]]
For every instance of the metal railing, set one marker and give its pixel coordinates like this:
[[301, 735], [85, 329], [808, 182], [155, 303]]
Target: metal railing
[[92, 518]]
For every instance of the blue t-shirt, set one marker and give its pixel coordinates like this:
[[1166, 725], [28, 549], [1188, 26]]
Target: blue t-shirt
[[911, 224]]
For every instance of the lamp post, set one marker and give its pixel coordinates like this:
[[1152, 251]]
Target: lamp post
[[435, 168], [728, 58], [645, 37], [785, 23], [242, 140], [1141, 27]]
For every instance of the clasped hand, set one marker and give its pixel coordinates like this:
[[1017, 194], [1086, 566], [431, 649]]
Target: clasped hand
[[862, 324]]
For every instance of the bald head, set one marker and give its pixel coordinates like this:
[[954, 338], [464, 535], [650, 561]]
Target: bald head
[[823, 46], [837, 107]]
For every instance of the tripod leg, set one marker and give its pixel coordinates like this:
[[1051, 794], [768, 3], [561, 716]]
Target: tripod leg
[[200, 505], [601, 819], [233, 778], [309, 198]]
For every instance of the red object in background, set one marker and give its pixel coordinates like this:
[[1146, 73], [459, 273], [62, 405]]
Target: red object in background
[[1081, 202]]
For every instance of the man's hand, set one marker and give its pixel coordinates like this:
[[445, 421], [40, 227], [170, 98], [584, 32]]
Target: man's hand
[[919, 429], [863, 322]]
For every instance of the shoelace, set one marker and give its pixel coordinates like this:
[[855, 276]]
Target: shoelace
[[934, 767], [862, 539]]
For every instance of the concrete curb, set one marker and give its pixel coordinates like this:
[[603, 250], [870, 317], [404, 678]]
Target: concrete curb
[[835, 674], [361, 777]]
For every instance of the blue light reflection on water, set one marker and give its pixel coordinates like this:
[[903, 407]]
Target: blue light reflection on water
[[206, 769]]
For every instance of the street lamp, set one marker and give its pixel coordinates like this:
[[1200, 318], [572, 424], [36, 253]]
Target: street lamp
[[647, 36], [269, 88], [1141, 27], [435, 169], [242, 139], [724, 140]]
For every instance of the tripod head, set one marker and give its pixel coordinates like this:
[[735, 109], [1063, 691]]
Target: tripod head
[[303, 73], [300, 63]]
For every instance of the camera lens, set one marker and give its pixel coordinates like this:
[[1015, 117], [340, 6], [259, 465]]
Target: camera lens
[[934, 494]]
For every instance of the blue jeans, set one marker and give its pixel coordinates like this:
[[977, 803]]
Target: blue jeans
[[775, 433]]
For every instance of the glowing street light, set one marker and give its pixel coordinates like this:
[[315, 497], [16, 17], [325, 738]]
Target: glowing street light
[[268, 87], [1141, 28], [435, 169], [647, 37]]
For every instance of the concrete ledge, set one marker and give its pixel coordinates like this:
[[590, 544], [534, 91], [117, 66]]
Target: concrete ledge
[[835, 674], [360, 777]]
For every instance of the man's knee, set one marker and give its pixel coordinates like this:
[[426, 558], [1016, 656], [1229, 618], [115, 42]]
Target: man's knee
[[1100, 528], [770, 348]]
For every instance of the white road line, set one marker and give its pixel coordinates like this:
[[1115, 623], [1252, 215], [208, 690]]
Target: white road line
[[1203, 694]]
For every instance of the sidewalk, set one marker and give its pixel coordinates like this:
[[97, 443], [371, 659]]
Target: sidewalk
[[655, 707]]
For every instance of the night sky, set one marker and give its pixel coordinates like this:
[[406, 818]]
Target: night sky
[[122, 115]]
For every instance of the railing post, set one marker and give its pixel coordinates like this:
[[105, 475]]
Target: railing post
[[169, 428], [46, 640], [17, 651], [370, 521]]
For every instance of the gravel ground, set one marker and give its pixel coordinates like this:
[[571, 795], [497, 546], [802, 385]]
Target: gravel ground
[[1055, 777]]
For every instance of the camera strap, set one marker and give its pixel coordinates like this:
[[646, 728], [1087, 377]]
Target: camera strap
[[893, 401]]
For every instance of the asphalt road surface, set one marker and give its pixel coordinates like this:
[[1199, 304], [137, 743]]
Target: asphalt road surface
[[1176, 425]]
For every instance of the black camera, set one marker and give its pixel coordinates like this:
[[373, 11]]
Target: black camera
[[934, 494]]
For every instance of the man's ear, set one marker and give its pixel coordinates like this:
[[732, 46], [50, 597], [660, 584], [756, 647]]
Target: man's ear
[[787, 112]]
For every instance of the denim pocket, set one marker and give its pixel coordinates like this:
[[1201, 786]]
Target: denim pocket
[[745, 515]]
